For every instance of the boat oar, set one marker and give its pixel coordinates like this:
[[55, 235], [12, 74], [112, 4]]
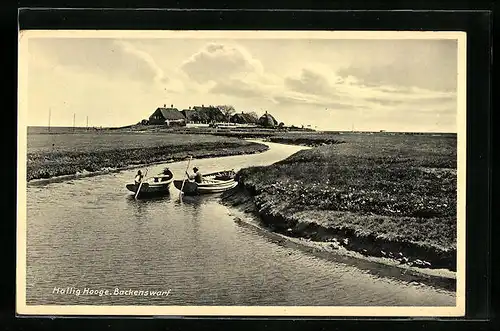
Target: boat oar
[[140, 184], [182, 186]]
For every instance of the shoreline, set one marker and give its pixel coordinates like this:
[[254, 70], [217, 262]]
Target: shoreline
[[330, 246], [412, 275], [108, 170]]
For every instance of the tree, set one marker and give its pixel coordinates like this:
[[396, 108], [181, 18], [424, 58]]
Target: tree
[[253, 116], [227, 110]]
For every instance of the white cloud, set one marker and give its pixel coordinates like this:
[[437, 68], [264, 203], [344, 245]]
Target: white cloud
[[328, 91], [159, 75], [309, 82], [217, 62]]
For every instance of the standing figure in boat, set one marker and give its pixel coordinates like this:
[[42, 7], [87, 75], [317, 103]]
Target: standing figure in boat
[[197, 176], [138, 177]]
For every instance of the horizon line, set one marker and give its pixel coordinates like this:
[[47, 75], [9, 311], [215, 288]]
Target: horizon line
[[317, 130]]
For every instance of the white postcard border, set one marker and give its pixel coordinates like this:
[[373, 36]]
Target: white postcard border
[[141, 310]]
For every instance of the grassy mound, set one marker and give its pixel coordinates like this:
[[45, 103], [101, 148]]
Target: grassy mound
[[399, 190]]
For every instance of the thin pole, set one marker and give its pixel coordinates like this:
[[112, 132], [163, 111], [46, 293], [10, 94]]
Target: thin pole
[[87, 123], [187, 168], [140, 184]]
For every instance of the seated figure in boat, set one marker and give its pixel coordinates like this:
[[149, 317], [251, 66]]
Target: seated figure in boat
[[197, 177], [138, 177], [165, 175]]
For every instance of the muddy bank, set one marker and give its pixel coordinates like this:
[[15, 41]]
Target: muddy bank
[[304, 225], [67, 165], [381, 267]]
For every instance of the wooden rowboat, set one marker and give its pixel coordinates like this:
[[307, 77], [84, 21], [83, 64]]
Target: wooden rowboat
[[151, 188], [212, 183]]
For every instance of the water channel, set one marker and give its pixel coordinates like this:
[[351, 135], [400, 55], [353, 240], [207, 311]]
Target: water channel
[[91, 233]]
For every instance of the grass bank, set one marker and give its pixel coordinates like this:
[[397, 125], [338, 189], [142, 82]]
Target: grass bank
[[382, 196], [290, 138], [51, 155], [307, 139]]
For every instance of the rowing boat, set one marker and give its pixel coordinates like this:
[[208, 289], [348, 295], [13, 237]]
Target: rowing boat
[[154, 188], [212, 183]]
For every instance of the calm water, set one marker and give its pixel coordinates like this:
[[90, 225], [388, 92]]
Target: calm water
[[91, 233]]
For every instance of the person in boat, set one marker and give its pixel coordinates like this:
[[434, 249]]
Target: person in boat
[[138, 177], [197, 176], [166, 175]]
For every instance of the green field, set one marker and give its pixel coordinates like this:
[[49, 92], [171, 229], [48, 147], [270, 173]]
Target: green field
[[52, 155], [397, 193]]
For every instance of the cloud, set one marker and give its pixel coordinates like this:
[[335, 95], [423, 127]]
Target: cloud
[[427, 64], [317, 87], [385, 102], [290, 100], [217, 62], [142, 56], [404, 74], [238, 88], [309, 82], [329, 90], [109, 58], [86, 93], [230, 70]]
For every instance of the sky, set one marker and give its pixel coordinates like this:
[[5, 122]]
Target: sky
[[329, 84]]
